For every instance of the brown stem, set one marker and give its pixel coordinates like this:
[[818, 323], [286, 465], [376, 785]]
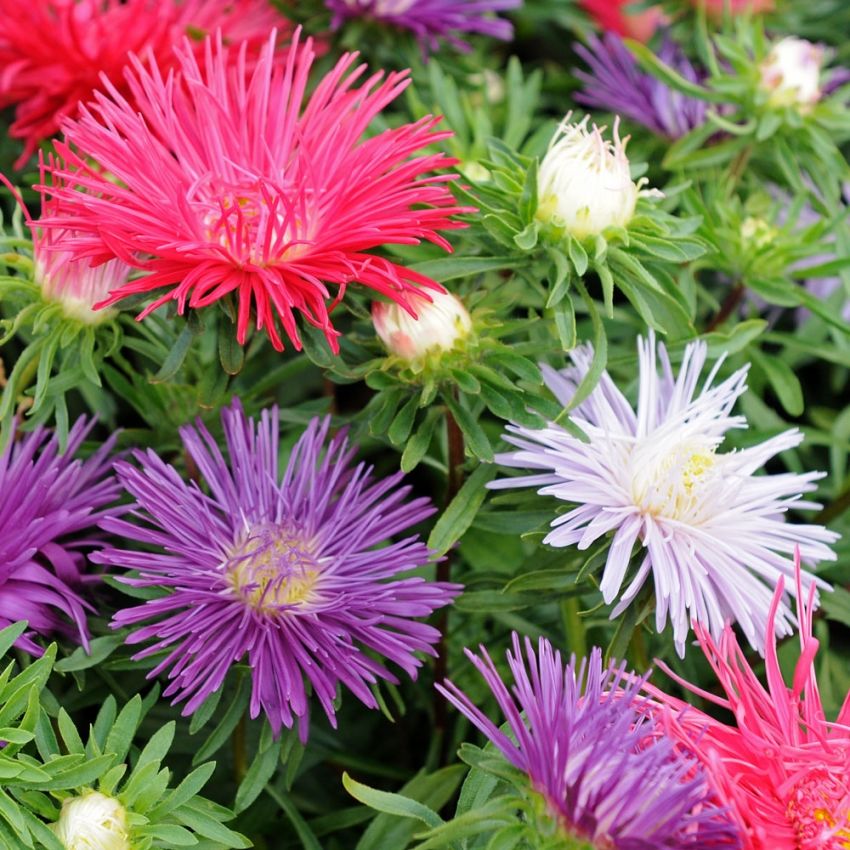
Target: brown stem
[[240, 755], [835, 509], [729, 305], [456, 451]]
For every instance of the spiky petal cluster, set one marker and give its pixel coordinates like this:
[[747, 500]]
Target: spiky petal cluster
[[52, 52], [49, 505], [616, 83], [608, 778], [782, 766], [432, 21], [711, 532], [623, 17], [227, 182], [279, 567], [584, 184]]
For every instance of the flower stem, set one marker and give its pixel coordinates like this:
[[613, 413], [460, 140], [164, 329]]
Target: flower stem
[[240, 755], [731, 302], [455, 452], [574, 631]]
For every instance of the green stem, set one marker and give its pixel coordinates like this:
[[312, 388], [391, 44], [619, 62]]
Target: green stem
[[240, 753], [574, 631]]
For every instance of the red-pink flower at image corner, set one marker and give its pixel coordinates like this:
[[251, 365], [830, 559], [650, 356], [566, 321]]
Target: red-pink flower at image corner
[[53, 52], [229, 181], [782, 766]]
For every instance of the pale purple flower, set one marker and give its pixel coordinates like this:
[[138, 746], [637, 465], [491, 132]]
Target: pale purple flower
[[432, 21], [708, 529], [591, 749], [281, 566], [615, 83], [50, 504]]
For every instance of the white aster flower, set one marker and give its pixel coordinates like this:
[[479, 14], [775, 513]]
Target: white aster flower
[[92, 821], [712, 533], [439, 325], [791, 73], [584, 184]]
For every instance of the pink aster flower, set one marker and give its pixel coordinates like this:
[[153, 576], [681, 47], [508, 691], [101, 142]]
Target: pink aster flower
[[52, 52], [782, 766], [223, 180]]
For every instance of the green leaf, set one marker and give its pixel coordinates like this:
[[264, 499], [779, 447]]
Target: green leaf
[[392, 804], [10, 634], [305, 834], [661, 71], [100, 648], [176, 356], [258, 776], [460, 513], [781, 377], [417, 445], [452, 267], [476, 439], [230, 353]]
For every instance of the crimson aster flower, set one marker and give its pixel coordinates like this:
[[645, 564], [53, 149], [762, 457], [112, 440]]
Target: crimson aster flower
[[782, 766], [50, 504], [431, 20], [279, 567], [708, 530], [225, 180], [620, 17], [52, 52], [609, 778]]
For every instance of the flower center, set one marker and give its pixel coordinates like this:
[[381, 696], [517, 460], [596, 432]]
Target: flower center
[[819, 810], [274, 568], [670, 484]]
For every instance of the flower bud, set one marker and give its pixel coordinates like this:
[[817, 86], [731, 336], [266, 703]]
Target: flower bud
[[439, 325], [92, 821], [791, 73], [584, 183]]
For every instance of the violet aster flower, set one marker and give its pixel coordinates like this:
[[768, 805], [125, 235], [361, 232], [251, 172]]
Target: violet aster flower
[[281, 568], [431, 20], [609, 778], [49, 505], [616, 84], [712, 532]]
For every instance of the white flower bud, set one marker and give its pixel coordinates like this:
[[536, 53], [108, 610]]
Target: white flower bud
[[440, 324], [92, 821], [584, 183], [791, 73]]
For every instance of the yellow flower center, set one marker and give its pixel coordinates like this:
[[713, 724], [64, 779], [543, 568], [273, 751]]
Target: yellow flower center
[[819, 810], [275, 568]]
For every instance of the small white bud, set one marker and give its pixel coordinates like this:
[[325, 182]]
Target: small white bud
[[584, 183], [381, 8], [757, 232], [791, 73], [440, 324], [92, 821]]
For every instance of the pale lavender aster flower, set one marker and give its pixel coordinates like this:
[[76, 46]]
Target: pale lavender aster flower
[[432, 21], [615, 83], [279, 567], [591, 749], [712, 533], [50, 504]]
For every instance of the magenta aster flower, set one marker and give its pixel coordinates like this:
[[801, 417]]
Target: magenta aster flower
[[608, 776], [616, 84], [50, 504], [226, 181], [710, 532], [281, 568], [431, 21], [52, 52]]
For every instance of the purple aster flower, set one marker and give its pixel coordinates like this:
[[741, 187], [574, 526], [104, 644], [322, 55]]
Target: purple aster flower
[[431, 20], [582, 734], [49, 505], [713, 533], [616, 84], [281, 568]]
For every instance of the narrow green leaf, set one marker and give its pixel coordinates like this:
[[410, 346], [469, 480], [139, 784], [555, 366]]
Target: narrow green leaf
[[460, 513]]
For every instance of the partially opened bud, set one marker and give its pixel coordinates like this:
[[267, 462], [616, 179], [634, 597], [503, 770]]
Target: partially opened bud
[[791, 73], [92, 821], [584, 184], [440, 324]]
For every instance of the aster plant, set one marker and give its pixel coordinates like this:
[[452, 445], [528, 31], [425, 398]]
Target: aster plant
[[280, 567], [274, 227], [50, 504], [782, 764], [709, 532], [582, 765]]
